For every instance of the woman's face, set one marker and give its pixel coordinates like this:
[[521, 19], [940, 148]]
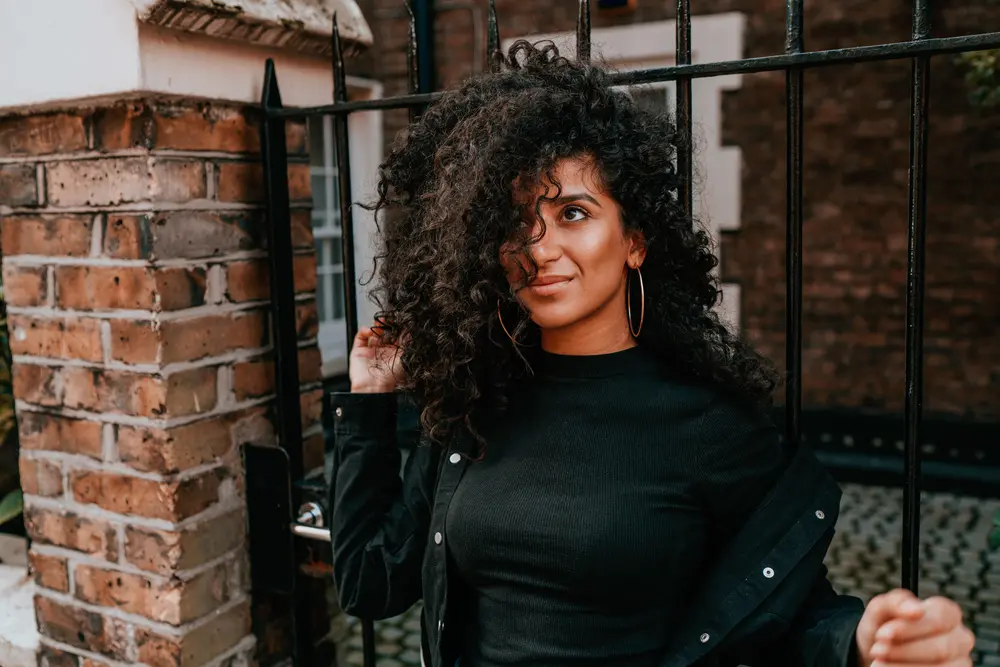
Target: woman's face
[[583, 255]]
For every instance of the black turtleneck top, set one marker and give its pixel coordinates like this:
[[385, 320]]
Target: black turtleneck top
[[603, 494]]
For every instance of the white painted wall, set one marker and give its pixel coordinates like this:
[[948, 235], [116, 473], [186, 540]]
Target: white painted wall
[[714, 38], [55, 50], [59, 52]]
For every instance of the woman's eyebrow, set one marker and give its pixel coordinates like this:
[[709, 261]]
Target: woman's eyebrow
[[572, 197]]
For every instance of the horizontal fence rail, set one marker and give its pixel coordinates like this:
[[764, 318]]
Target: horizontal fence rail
[[306, 524], [808, 60]]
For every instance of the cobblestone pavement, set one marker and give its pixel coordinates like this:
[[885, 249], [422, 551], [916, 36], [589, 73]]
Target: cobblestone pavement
[[864, 560]]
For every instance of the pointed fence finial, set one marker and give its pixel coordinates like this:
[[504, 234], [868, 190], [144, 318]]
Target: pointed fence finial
[[493, 55], [270, 96], [339, 72], [583, 32]]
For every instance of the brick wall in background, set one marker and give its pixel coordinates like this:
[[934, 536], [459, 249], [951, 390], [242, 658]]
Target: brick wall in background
[[857, 121], [136, 284]]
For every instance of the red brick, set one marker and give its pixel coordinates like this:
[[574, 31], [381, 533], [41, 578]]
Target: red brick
[[81, 628], [91, 536], [56, 433], [24, 286], [63, 338], [302, 233], [304, 272], [182, 234], [135, 288], [296, 138], [306, 320], [171, 601], [164, 552], [127, 236], [18, 185], [42, 134], [247, 281], [50, 235], [244, 182], [180, 288], [207, 128], [253, 379], [40, 478], [212, 335], [191, 392], [182, 447], [310, 365], [50, 572], [34, 384], [311, 404], [172, 501], [122, 180], [197, 646], [53, 657], [127, 125], [134, 342]]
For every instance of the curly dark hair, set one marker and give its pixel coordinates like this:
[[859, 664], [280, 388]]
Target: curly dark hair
[[446, 204]]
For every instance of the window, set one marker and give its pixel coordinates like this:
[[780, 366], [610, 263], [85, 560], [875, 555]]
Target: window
[[327, 235]]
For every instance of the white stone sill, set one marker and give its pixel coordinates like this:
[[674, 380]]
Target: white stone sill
[[18, 631]]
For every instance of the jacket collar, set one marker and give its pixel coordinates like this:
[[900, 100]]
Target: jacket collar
[[794, 516]]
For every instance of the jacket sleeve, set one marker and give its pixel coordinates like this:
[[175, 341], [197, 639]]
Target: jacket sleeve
[[379, 521], [822, 632]]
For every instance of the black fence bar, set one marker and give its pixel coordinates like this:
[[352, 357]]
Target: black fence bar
[[343, 155], [897, 51], [274, 158], [916, 237], [685, 170], [342, 148], [412, 64], [583, 32], [492, 40], [794, 100]]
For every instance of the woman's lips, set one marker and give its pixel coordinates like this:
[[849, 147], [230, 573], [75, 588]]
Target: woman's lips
[[548, 286]]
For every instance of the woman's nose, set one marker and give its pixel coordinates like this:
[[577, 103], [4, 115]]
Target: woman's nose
[[545, 246]]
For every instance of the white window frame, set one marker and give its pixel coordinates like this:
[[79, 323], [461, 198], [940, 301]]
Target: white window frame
[[714, 38], [365, 145]]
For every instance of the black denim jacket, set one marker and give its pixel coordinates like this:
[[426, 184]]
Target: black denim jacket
[[766, 601]]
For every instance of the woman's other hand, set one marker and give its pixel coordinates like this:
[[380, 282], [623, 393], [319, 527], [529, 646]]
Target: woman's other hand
[[900, 630], [374, 368]]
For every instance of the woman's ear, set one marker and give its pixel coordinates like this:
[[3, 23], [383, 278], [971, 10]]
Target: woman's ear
[[636, 250]]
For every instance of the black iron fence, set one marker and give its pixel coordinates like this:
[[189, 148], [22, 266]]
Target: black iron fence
[[280, 519]]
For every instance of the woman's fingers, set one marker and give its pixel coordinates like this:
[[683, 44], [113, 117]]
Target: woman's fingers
[[939, 649], [940, 616]]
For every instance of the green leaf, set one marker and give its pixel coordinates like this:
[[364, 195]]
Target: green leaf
[[994, 540], [11, 506], [996, 519]]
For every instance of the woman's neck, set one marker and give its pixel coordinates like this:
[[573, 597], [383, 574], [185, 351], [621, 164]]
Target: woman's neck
[[599, 334]]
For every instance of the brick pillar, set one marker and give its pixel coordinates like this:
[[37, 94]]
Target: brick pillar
[[136, 280]]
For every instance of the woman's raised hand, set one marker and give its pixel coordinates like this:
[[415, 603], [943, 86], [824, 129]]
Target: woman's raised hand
[[374, 368]]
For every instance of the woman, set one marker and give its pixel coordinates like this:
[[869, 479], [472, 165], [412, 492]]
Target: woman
[[599, 484]]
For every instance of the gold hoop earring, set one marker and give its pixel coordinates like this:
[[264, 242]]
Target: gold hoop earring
[[503, 326], [635, 331]]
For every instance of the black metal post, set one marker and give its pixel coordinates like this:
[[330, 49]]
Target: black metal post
[[916, 237], [274, 158], [583, 32], [424, 20], [685, 193], [343, 151], [492, 40], [341, 141], [412, 63], [793, 242]]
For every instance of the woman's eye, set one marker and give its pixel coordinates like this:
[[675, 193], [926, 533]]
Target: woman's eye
[[574, 214]]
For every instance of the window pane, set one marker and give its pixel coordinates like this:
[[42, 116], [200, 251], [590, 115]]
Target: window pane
[[322, 253], [318, 183], [321, 289], [338, 295]]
